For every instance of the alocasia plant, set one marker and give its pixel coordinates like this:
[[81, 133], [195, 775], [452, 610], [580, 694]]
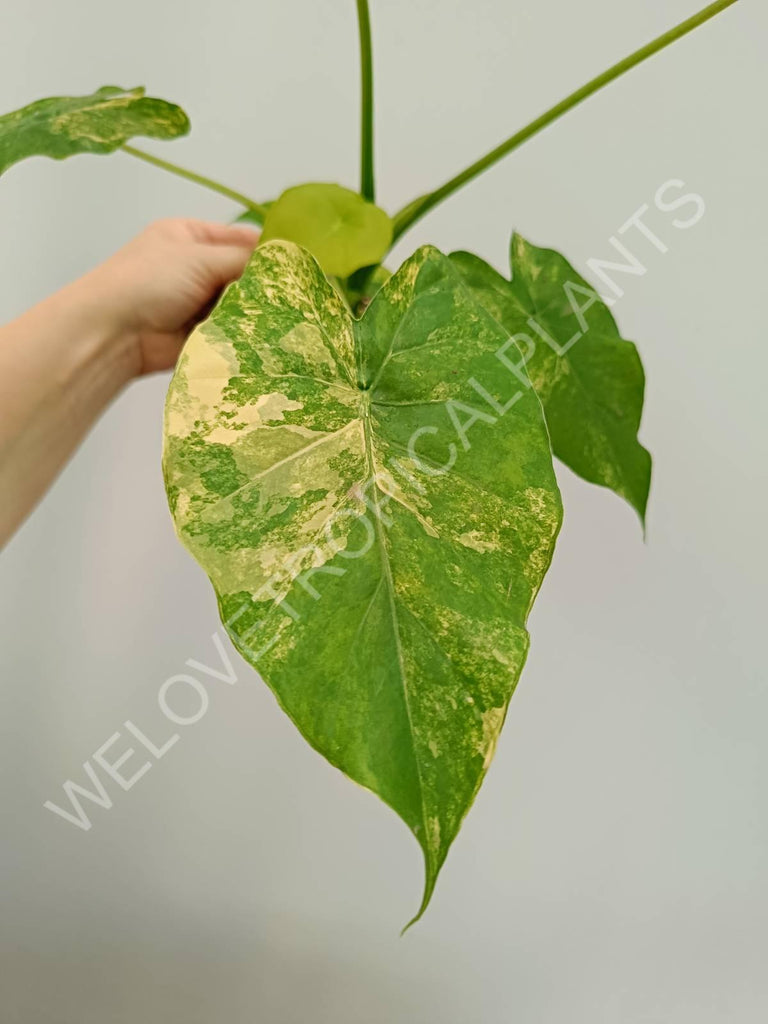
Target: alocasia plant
[[362, 462]]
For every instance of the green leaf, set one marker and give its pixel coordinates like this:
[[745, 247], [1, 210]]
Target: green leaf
[[360, 288], [252, 216], [342, 230], [589, 379], [62, 126], [375, 504]]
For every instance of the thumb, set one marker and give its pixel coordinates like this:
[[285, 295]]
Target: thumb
[[225, 263]]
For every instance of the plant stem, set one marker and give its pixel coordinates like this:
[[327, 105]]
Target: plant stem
[[367, 186], [416, 209], [199, 179]]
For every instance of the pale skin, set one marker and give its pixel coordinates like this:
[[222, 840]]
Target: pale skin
[[63, 361]]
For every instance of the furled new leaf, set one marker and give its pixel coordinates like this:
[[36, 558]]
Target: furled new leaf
[[62, 126], [375, 504], [342, 230], [589, 379]]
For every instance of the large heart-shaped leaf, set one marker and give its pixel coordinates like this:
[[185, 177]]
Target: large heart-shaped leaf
[[589, 379], [64, 125], [375, 504], [342, 230]]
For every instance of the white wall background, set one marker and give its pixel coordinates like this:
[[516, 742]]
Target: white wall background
[[614, 869]]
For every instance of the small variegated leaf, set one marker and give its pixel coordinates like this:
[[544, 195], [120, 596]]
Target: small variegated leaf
[[375, 504], [342, 230], [62, 126], [589, 379]]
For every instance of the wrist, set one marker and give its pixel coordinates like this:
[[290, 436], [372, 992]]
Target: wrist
[[94, 333], [61, 363]]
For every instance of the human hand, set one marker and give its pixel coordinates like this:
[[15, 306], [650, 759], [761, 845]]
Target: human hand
[[66, 358], [152, 292]]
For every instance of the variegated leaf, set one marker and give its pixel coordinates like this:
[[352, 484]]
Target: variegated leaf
[[589, 379], [375, 504], [62, 126]]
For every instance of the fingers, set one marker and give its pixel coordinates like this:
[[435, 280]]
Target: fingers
[[228, 249], [210, 233], [225, 263]]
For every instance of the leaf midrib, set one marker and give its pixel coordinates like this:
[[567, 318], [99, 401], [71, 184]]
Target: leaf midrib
[[387, 575]]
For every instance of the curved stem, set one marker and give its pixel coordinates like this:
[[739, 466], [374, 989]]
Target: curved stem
[[199, 179], [416, 209], [367, 186]]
